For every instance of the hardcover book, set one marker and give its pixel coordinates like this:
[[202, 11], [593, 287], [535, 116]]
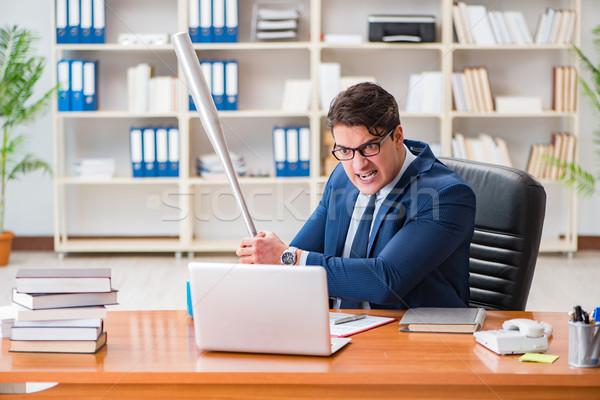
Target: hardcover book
[[63, 280], [58, 346], [37, 301], [450, 320]]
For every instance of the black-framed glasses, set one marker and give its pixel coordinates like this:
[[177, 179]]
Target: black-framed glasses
[[365, 150]]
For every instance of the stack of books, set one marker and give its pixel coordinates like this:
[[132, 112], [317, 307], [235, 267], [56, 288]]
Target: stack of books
[[471, 90], [61, 310]]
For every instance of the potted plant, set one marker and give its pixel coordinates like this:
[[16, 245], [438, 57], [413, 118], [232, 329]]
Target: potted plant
[[20, 70], [574, 175]]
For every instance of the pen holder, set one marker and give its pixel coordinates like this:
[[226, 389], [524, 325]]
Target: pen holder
[[584, 344]]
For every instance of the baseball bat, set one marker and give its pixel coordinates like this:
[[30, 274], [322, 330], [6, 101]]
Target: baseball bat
[[209, 117]]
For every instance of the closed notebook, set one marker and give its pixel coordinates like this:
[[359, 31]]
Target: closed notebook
[[451, 320]]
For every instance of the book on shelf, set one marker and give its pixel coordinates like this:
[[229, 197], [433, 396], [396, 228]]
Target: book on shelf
[[474, 24], [564, 88], [546, 159], [63, 280], [440, 319], [61, 333], [556, 26], [35, 301], [472, 91], [424, 92], [483, 148], [59, 346], [25, 314]]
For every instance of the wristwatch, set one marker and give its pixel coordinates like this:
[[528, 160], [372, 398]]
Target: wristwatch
[[288, 257]]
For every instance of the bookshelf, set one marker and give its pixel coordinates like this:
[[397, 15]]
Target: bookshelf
[[189, 213]]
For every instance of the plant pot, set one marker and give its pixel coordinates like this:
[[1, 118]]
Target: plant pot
[[6, 238]]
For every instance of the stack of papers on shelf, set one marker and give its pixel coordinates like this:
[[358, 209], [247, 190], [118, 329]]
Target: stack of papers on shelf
[[210, 165], [277, 24], [95, 168], [61, 310], [439, 319]]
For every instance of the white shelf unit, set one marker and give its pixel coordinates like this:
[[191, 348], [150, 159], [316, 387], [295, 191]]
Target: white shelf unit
[[194, 214]]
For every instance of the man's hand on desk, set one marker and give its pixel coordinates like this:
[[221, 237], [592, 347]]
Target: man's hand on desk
[[264, 248]]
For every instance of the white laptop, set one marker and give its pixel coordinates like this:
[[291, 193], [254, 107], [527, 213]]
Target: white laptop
[[261, 309]]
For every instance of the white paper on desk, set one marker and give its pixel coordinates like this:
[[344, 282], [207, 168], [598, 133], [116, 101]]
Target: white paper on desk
[[354, 327]]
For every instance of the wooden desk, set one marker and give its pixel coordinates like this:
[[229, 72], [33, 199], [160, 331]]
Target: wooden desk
[[152, 354]]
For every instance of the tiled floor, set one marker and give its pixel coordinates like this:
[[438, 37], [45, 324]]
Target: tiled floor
[[158, 281]]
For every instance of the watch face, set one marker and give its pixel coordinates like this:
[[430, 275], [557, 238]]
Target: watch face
[[287, 257]]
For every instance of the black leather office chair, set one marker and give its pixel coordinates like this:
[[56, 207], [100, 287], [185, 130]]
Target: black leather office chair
[[511, 205]]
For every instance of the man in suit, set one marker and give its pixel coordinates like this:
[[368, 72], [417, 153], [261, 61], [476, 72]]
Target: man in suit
[[394, 224]]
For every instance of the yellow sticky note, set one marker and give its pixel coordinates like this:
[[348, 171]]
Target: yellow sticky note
[[541, 358]]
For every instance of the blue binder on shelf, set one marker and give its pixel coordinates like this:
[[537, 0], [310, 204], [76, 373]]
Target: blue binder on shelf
[[218, 84], [62, 21], [89, 86], [136, 152], [192, 104], [231, 21], [173, 161], [218, 21], [74, 23], [231, 85], [292, 153], [149, 147], [194, 20], [206, 21], [279, 151], [77, 100], [304, 151], [162, 151], [63, 72], [99, 20], [87, 31]]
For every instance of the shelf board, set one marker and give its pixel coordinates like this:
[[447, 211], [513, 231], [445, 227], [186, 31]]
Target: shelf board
[[256, 114], [543, 114], [528, 47], [253, 46], [114, 47], [71, 180], [121, 244], [383, 46], [251, 181], [114, 114]]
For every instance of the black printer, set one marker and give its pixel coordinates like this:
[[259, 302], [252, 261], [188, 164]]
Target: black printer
[[401, 28]]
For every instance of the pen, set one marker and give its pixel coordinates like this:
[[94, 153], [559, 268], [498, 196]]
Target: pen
[[349, 318]]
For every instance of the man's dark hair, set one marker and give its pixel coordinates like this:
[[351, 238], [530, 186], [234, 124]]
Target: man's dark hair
[[365, 104]]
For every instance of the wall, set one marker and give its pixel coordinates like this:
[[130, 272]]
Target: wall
[[30, 200]]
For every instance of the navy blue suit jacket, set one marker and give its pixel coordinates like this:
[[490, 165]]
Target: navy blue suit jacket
[[418, 253]]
